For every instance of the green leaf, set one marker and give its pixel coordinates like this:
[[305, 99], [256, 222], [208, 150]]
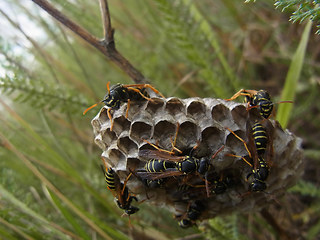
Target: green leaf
[[292, 78]]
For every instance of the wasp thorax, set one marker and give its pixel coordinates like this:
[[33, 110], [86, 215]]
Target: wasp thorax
[[193, 152]]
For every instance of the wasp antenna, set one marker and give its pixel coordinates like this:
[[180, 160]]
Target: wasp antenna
[[108, 87], [282, 102], [89, 108]]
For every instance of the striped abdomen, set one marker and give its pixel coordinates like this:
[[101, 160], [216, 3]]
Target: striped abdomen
[[110, 179], [260, 138], [155, 165]]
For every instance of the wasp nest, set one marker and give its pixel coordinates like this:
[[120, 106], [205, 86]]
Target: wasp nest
[[205, 123]]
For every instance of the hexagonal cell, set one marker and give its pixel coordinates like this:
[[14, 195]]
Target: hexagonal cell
[[120, 124], [98, 140], [140, 131], [213, 137], [220, 113], [240, 115], [96, 125], [174, 106], [164, 133], [237, 145], [154, 106], [103, 117], [108, 137], [143, 116], [197, 109], [188, 135], [127, 146], [118, 159]]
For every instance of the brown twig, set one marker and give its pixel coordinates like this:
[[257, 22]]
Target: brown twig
[[106, 22], [106, 46]]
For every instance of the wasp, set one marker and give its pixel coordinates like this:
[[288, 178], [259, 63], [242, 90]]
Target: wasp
[[193, 213], [120, 93], [221, 185], [120, 191], [260, 143], [164, 164], [259, 176], [257, 99], [260, 137]]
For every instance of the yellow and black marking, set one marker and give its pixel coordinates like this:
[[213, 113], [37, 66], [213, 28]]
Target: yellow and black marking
[[110, 179], [120, 93], [260, 175], [156, 165], [260, 138], [263, 101], [188, 165], [120, 191]]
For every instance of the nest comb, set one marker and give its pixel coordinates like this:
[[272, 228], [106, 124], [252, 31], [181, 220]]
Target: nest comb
[[202, 120]]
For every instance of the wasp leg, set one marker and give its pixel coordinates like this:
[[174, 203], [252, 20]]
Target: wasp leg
[[237, 156], [138, 91], [110, 117], [173, 143], [244, 143], [146, 86], [241, 92], [128, 106], [156, 147], [125, 183]]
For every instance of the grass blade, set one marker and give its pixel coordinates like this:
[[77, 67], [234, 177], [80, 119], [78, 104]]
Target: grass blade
[[293, 75], [68, 216]]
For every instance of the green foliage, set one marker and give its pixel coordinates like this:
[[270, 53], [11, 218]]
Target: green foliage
[[224, 228], [303, 10], [42, 95], [188, 29], [306, 188]]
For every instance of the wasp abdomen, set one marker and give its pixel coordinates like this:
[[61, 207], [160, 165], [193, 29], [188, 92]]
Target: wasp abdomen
[[155, 165], [110, 179], [260, 138]]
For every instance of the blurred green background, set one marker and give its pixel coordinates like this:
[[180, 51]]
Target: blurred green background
[[51, 186]]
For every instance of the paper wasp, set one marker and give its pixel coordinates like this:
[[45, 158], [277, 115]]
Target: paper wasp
[[120, 93], [120, 191], [257, 99], [193, 213], [162, 163], [171, 165], [260, 143], [221, 185]]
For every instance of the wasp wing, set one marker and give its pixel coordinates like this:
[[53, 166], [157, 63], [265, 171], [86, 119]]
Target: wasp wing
[[158, 175], [251, 145], [159, 155]]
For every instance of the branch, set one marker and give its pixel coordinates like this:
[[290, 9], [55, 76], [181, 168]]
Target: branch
[[106, 46], [107, 28]]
